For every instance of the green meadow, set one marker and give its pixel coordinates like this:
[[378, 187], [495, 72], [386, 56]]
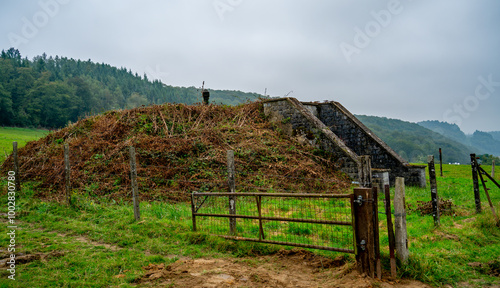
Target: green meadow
[[95, 239], [21, 135]]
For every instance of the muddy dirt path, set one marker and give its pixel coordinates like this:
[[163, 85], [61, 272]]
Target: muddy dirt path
[[295, 268]]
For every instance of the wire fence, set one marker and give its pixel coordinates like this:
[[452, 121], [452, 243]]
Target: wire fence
[[321, 221]]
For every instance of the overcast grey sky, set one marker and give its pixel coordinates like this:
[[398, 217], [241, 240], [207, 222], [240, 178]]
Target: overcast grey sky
[[411, 60]]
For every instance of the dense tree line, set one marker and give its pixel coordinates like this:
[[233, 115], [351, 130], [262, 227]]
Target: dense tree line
[[49, 92]]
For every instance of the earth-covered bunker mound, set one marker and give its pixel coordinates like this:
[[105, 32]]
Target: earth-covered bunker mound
[[179, 149]]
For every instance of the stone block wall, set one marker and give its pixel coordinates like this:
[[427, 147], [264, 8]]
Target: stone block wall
[[297, 121], [333, 128]]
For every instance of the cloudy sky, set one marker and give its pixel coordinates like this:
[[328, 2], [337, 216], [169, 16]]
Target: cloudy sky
[[411, 60]]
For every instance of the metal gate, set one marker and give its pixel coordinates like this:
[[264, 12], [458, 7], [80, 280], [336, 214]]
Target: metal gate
[[320, 221]]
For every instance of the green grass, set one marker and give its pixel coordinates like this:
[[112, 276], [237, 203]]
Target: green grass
[[21, 135], [98, 239], [441, 255]]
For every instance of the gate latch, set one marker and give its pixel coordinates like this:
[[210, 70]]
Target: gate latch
[[359, 200], [362, 245]]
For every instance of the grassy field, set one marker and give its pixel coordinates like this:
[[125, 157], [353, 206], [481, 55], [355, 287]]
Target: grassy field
[[96, 243], [21, 135]]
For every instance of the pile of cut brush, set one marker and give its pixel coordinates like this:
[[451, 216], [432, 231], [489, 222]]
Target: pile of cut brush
[[179, 149], [425, 207]]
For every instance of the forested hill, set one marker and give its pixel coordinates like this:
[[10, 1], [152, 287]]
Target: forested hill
[[489, 142], [49, 92], [414, 142]]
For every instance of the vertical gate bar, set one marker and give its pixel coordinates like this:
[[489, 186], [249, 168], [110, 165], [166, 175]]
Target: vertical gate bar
[[261, 230], [193, 215]]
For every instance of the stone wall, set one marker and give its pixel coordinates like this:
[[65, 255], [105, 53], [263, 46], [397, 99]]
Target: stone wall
[[333, 128], [297, 121]]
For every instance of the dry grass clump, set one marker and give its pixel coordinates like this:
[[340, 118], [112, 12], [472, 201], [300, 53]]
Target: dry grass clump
[[179, 149]]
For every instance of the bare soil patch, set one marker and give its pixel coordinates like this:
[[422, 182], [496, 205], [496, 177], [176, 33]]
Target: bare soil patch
[[23, 259], [288, 268]]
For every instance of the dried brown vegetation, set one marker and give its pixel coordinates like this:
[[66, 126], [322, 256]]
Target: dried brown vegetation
[[180, 149]]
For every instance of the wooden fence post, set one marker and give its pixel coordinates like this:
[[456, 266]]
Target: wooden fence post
[[232, 189], [376, 238], [133, 178], [67, 173], [441, 162], [434, 194], [364, 231], [16, 166], [365, 171], [400, 220], [493, 169], [390, 229], [473, 163]]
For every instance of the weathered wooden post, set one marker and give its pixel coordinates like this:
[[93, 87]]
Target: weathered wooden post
[[434, 194], [16, 166], [365, 171], [133, 178], [376, 242], [475, 181], [364, 231], [400, 220], [441, 162], [390, 229], [232, 189], [67, 173], [493, 169]]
